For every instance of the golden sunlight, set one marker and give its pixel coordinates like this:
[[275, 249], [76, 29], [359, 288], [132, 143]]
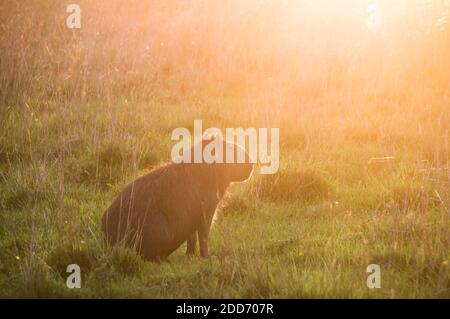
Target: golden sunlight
[[289, 148]]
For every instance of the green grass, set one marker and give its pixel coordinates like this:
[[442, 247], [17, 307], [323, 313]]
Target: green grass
[[74, 133], [308, 231]]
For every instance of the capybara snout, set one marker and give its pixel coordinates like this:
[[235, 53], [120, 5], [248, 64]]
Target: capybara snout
[[174, 203]]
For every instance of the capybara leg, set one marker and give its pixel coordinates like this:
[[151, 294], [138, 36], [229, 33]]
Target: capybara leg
[[203, 235], [204, 247], [191, 244]]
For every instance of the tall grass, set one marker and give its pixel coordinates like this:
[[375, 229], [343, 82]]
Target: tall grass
[[82, 112]]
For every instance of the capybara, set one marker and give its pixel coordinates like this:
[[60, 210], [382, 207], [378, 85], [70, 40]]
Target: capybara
[[159, 211]]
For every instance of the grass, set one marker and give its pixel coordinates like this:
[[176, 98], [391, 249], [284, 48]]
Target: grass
[[83, 112]]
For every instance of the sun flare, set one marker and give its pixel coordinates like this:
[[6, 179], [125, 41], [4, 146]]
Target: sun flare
[[316, 131]]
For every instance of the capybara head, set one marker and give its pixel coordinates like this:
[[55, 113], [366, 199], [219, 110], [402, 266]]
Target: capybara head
[[238, 172], [236, 164]]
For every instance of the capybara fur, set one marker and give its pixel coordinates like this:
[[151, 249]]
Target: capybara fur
[[174, 203]]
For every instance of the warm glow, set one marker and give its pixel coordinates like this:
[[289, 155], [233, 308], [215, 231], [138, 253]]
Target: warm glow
[[343, 193]]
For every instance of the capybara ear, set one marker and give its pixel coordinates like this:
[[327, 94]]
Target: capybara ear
[[210, 136], [206, 139]]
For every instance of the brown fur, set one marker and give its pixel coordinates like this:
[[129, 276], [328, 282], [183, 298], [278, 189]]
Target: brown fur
[[159, 211]]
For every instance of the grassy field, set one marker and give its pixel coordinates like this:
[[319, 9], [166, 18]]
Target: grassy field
[[83, 112]]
